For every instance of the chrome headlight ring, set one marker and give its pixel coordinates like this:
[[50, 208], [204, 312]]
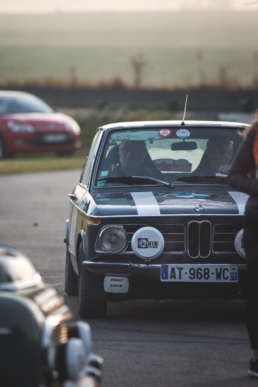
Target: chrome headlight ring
[[111, 239]]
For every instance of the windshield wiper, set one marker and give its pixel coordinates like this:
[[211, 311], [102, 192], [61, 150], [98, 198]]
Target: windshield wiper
[[204, 179], [131, 180]]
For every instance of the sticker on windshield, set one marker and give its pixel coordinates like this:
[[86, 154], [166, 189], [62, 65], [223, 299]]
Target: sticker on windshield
[[112, 141], [193, 202], [183, 133], [103, 173], [201, 196], [165, 132], [190, 195], [185, 195]]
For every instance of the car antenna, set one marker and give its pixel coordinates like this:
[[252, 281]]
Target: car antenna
[[183, 121]]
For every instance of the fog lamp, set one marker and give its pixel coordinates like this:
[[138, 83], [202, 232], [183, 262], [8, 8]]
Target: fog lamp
[[239, 244]]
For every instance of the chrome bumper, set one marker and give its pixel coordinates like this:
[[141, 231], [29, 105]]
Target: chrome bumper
[[150, 271]]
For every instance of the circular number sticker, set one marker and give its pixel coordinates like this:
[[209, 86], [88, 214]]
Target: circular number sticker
[[183, 133], [165, 132]]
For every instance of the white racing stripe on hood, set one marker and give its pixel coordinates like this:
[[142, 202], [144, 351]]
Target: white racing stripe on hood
[[146, 203], [240, 199]]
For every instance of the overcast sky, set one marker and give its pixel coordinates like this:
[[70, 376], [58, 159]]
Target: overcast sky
[[31, 6]]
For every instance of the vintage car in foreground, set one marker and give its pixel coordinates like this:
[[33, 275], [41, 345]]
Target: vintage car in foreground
[[152, 215], [28, 124], [38, 346]]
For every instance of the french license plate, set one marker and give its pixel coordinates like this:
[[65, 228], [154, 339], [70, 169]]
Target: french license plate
[[54, 138], [198, 273]]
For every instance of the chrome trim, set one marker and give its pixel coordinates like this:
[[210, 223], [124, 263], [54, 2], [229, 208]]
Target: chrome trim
[[82, 185], [143, 265], [199, 241], [114, 264], [174, 124], [71, 251], [19, 285], [101, 249], [161, 215], [80, 210], [83, 236], [67, 230], [47, 341], [212, 241]]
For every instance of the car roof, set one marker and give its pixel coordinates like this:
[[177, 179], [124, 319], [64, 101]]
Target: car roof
[[15, 93], [175, 123]]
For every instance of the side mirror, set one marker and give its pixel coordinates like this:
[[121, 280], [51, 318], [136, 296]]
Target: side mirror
[[183, 145]]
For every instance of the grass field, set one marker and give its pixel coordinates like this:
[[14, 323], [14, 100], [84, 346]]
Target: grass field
[[178, 48], [89, 121]]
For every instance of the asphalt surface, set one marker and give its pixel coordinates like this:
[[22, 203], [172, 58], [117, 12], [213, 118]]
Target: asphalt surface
[[143, 343]]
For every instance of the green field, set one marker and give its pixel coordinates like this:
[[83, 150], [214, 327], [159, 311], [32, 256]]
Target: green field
[[178, 48]]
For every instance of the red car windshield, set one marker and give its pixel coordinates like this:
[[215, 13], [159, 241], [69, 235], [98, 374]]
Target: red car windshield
[[23, 104]]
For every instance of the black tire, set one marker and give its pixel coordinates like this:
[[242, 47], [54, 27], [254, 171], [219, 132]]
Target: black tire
[[92, 297], [71, 278]]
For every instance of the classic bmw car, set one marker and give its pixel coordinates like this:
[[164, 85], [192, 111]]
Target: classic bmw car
[[152, 215]]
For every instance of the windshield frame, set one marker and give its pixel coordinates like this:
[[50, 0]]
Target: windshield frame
[[233, 128]]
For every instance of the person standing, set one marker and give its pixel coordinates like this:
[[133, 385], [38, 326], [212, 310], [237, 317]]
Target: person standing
[[243, 176]]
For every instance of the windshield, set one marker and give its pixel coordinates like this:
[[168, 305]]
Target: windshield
[[173, 155], [23, 104]]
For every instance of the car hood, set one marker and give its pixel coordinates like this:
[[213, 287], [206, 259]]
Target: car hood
[[45, 121], [156, 203]]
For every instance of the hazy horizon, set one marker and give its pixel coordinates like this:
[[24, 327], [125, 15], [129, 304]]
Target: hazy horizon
[[176, 48], [65, 6]]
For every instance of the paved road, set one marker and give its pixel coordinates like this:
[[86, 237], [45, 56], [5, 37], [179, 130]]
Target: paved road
[[144, 343]]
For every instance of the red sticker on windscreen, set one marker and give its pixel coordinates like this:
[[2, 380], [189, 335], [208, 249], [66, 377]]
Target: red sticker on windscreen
[[165, 132]]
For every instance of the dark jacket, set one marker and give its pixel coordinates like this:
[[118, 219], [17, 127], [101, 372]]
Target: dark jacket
[[241, 175]]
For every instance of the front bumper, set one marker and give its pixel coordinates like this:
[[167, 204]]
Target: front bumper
[[24, 144], [144, 282]]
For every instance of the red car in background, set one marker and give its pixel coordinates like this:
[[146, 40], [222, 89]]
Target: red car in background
[[27, 124]]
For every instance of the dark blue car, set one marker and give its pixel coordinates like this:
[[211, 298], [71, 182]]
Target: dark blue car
[[152, 215]]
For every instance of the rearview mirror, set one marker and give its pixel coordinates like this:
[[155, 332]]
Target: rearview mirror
[[184, 145]]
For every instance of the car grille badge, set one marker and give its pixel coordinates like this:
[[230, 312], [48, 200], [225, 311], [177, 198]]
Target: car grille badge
[[198, 208]]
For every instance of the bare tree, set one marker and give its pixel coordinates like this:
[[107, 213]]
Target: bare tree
[[139, 64], [73, 76], [224, 79], [199, 56]]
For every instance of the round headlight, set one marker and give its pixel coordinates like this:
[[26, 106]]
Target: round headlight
[[113, 239], [239, 245]]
